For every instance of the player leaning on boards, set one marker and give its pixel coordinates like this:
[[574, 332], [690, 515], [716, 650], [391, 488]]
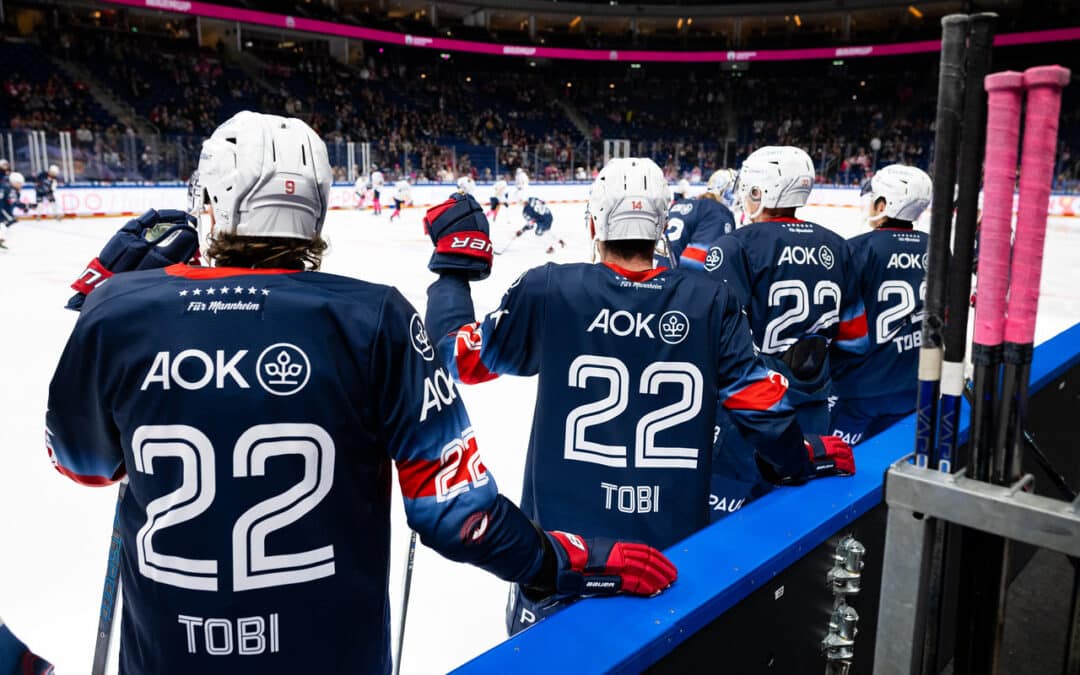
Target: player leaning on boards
[[791, 276], [255, 406], [889, 267], [631, 361]]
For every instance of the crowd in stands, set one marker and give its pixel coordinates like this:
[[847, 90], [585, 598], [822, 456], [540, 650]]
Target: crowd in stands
[[436, 119]]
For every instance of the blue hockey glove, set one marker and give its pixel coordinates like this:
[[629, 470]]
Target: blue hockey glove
[[154, 239], [604, 567], [459, 230]]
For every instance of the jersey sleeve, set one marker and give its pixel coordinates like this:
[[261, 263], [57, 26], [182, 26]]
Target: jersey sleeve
[[724, 259], [81, 435], [852, 335], [505, 342], [754, 396], [451, 500]]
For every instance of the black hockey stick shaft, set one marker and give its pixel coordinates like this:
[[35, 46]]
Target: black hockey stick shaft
[[949, 104], [969, 177], [111, 592], [406, 590]]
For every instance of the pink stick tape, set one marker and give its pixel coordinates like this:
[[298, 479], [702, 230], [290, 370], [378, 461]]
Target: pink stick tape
[[1044, 85], [1004, 91]]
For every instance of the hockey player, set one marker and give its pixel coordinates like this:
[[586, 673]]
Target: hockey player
[[521, 185], [681, 191], [257, 427], [5, 170], [792, 277], [10, 199], [402, 196], [363, 184], [695, 222], [538, 218], [631, 360], [499, 196], [875, 389], [377, 182], [45, 191]]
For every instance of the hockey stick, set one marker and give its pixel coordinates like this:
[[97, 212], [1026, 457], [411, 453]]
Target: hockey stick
[[1044, 85], [406, 589], [1004, 92], [950, 97], [972, 140], [111, 592]]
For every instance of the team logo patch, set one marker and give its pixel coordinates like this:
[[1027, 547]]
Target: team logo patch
[[714, 258], [925, 257], [826, 255], [283, 369], [674, 327], [419, 337]]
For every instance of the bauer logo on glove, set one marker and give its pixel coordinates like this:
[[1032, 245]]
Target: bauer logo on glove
[[459, 230]]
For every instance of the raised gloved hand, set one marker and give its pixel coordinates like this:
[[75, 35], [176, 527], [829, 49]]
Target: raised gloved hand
[[459, 230], [154, 239], [600, 566]]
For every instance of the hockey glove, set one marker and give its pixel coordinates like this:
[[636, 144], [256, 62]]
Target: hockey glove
[[154, 239], [604, 567], [829, 456], [459, 231]]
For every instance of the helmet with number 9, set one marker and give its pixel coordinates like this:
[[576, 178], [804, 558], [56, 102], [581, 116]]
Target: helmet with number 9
[[775, 177], [905, 189], [629, 200], [262, 176]]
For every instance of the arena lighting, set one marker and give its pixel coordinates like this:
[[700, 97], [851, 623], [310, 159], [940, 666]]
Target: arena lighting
[[798, 21], [575, 21], [329, 28], [914, 11], [689, 21], [678, 24]]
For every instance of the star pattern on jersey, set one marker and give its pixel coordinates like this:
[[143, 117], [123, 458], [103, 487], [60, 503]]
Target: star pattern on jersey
[[224, 290]]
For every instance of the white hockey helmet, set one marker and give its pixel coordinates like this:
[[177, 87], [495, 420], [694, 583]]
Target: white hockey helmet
[[777, 177], [54, 171], [499, 185], [4, 165], [721, 181], [263, 176], [16, 179], [466, 185], [681, 188], [629, 200], [905, 189]]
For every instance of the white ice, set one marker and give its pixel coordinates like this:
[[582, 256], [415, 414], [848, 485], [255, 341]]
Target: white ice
[[55, 533]]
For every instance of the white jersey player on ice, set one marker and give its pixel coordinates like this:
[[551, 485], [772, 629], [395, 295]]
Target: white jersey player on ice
[[361, 188], [377, 182], [466, 186], [521, 185], [500, 194], [402, 196]]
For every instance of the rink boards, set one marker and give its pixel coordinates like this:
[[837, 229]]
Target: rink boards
[[751, 594]]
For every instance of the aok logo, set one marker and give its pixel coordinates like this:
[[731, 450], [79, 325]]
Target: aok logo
[[281, 369], [906, 261], [804, 255], [622, 323]]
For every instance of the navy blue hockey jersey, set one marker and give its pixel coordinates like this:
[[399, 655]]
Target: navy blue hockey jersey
[[256, 414], [692, 222], [536, 211], [793, 278], [632, 366], [890, 269]]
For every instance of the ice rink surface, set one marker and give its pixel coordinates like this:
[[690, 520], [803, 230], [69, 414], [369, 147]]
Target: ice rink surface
[[55, 533]]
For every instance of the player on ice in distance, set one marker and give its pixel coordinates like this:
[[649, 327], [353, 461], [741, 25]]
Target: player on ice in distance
[[363, 184], [5, 170], [792, 277], [377, 182], [706, 218], [521, 185], [875, 389], [402, 196], [45, 191], [466, 186], [538, 218], [499, 195], [656, 350], [10, 199], [256, 407]]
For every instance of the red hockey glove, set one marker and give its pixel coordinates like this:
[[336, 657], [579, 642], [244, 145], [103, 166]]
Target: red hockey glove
[[605, 566], [829, 456]]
